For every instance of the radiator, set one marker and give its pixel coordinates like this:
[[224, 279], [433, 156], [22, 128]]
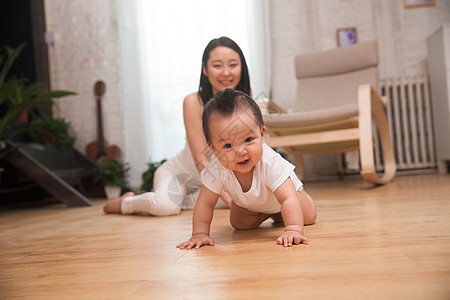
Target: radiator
[[408, 111]]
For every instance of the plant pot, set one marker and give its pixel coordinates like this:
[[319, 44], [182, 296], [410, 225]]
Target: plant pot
[[23, 117], [112, 191]]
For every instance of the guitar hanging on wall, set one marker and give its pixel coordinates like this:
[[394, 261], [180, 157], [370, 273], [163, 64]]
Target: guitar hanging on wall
[[99, 150]]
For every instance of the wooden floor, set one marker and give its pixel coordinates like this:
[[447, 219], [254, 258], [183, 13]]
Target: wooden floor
[[388, 242]]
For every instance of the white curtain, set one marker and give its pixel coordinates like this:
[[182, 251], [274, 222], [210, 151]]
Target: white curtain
[[162, 43]]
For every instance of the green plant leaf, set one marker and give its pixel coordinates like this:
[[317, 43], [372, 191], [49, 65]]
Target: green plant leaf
[[148, 175], [113, 173], [56, 131], [17, 95], [12, 55]]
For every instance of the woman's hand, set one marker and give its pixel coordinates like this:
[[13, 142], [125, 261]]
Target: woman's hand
[[292, 237], [197, 240]]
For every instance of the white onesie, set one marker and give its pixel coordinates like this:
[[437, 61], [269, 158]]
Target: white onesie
[[269, 173]]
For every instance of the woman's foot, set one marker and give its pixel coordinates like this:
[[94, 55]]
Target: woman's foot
[[113, 206]]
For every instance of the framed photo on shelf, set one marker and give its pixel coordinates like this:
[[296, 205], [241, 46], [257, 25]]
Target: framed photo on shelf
[[346, 36], [415, 3]]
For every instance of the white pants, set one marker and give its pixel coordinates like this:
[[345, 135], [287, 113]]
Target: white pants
[[174, 190]]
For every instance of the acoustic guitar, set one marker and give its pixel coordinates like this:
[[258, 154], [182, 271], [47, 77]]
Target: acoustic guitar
[[99, 150]]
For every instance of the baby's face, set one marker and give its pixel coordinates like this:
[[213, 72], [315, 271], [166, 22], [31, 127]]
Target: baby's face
[[237, 141]]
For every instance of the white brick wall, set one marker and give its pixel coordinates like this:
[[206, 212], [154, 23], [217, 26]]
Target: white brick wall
[[86, 49]]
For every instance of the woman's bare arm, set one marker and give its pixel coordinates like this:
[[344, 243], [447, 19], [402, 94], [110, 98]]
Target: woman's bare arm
[[192, 113]]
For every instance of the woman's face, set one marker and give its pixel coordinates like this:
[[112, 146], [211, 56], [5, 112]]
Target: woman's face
[[223, 69]]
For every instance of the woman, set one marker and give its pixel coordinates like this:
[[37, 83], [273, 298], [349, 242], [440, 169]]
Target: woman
[[177, 182]]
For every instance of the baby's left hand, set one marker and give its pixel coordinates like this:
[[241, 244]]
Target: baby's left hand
[[291, 237]]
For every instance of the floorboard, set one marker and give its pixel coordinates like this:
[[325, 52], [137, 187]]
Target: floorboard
[[389, 242]]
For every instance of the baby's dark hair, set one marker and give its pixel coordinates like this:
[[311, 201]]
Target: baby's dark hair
[[226, 103]]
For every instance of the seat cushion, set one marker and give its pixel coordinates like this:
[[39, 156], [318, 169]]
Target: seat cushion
[[309, 118]]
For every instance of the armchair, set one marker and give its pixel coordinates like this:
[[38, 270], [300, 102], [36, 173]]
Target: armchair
[[335, 109]]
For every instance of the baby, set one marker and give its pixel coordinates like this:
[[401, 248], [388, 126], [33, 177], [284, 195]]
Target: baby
[[260, 182]]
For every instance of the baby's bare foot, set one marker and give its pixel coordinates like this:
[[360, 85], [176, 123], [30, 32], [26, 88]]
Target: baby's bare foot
[[113, 206]]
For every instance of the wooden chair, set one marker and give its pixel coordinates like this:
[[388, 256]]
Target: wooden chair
[[335, 109]]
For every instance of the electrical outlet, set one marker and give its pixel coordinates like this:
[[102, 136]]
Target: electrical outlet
[[49, 37]]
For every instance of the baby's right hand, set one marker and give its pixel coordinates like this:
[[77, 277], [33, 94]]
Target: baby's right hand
[[197, 240]]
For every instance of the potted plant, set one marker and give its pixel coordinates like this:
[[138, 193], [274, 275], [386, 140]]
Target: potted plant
[[113, 175], [17, 96], [49, 131], [148, 175]]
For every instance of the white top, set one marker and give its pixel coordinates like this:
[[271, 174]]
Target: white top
[[269, 173]]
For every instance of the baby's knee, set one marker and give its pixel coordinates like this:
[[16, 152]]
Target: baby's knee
[[309, 208], [310, 218], [244, 223]]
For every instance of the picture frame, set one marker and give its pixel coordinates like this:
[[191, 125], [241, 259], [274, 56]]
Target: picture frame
[[346, 36], [417, 3]]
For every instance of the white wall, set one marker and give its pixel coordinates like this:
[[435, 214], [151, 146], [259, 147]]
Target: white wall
[[85, 50], [301, 26]]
